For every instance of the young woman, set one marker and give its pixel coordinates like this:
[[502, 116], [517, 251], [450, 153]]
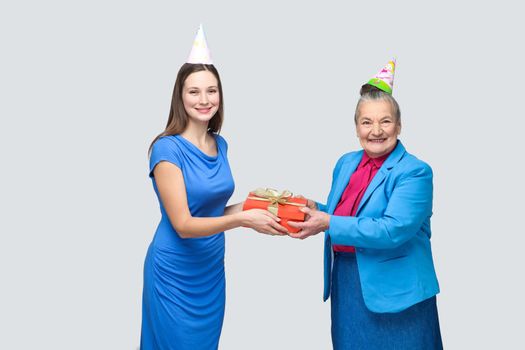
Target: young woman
[[184, 282]]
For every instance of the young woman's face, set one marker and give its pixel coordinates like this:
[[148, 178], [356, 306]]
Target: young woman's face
[[200, 96], [377, 128]]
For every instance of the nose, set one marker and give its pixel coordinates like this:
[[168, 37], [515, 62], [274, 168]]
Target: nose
[[376, 130], [203, 100]]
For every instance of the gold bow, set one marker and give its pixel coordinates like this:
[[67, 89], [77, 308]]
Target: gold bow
[[274, 198]]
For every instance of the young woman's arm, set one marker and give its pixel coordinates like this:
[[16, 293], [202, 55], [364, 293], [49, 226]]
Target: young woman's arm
[[234, 208], [172, 191]]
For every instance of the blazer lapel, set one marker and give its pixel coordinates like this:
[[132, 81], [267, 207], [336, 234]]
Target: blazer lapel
[[378, 179], [342, 180], [343, 177]]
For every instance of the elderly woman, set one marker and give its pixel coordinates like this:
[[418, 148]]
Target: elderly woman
[[378, 260]]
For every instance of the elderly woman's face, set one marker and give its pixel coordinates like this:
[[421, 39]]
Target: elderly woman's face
[[377, 128]]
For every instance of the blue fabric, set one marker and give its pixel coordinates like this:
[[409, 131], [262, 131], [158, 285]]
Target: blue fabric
[[184, 281], [391, 231], [355, 327]]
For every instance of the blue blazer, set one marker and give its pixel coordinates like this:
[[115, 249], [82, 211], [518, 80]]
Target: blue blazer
[[391, 231]]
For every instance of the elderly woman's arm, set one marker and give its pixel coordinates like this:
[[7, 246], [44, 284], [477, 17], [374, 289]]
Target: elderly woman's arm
[[409, 206], [321, 207]]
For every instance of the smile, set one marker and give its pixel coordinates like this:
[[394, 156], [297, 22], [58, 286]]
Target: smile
[[203, 110], [377, 140]]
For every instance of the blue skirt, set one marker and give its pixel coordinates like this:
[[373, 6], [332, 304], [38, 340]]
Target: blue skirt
[[355, 327], [183, 297]]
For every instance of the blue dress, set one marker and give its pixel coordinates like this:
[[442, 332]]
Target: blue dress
[[184, 282]]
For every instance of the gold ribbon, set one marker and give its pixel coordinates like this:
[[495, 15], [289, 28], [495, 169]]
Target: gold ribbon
[[274, 197]]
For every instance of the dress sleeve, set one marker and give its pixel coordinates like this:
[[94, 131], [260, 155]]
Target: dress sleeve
[[167, 150], [221, 143]]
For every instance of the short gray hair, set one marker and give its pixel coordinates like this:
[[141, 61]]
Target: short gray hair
[[378, 95]]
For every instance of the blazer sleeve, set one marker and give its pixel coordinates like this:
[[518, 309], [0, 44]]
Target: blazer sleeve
[[410, 204]]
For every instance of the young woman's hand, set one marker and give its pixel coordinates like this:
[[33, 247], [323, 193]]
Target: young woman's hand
[[262, 221]]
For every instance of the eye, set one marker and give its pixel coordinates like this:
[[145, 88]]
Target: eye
[[365, 122], [386, 121], [212, 91], [193, 92]]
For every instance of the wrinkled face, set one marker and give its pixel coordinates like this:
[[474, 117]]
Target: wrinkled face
[[200, 96], [377, 128]]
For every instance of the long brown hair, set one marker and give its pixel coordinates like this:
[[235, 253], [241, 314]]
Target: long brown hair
[[178, 118]]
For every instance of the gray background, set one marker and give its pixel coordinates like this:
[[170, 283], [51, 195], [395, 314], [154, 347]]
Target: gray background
[[85, 86]]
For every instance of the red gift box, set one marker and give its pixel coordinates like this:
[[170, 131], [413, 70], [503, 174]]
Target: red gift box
[[283, 204]]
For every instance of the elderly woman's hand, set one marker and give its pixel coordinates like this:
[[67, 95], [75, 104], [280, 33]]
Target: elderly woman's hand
[[309, 203], [316, 221]]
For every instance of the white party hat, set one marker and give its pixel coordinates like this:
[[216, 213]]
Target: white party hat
[[199, 51]]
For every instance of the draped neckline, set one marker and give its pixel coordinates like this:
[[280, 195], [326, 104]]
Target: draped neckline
[[197, 150]]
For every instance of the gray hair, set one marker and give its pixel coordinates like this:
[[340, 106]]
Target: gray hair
[[379, 95]]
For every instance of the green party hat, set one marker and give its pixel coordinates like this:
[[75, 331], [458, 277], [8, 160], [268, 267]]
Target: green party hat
[[384, 79]]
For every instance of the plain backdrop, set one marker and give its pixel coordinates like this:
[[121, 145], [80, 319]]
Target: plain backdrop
[[86, 85]]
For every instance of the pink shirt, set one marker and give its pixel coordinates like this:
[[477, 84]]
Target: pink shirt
[[354, 192]]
